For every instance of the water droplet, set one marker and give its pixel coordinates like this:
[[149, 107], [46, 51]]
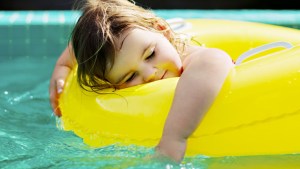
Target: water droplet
[[6, 92], [169, 166]]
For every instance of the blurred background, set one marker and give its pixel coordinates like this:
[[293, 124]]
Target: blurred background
[[156, 4]]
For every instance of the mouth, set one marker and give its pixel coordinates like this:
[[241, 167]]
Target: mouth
[[163, 75]]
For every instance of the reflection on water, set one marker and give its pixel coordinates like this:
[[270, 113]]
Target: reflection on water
[[29, 137]]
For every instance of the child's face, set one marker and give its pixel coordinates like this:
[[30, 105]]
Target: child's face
[[144, 56]]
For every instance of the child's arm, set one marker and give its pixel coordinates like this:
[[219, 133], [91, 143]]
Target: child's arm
[[64, 64], [199, 84]]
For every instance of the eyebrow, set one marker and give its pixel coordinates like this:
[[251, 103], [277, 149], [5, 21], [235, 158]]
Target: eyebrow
[[124, 76]]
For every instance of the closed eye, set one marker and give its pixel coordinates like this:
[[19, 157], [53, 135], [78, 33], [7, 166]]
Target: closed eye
[[152, 54], [130, 78]]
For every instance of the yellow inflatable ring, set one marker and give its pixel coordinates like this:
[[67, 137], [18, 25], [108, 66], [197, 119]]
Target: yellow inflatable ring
[[257, 111]]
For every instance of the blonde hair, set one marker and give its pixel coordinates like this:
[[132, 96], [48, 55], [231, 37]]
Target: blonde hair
[[95, 34]]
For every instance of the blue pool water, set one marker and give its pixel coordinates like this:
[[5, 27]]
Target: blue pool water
[[30, 136]]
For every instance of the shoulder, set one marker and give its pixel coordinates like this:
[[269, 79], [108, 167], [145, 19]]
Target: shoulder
[[206, 56]]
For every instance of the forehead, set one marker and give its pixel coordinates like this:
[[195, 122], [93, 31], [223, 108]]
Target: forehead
[[131, 36]]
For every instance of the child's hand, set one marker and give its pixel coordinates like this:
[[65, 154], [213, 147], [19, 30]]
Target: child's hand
[[56, 87], [171, 148], [64, 65]]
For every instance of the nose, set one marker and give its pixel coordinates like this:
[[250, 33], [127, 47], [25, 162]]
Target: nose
[[149, 78], [148, 73]]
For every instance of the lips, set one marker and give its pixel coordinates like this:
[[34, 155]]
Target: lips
[[163, 75]]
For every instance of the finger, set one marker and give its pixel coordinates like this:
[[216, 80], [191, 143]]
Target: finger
[[55, 108], [60, 85], [56, 87], [57, 111], [54, 102]]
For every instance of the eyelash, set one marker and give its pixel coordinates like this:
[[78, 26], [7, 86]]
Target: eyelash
[[151, 55], [131, 78]]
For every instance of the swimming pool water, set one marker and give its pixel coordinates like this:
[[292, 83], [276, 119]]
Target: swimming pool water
[[31, 138]]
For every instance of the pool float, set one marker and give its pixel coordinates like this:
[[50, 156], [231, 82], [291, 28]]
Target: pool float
[[257, 111]]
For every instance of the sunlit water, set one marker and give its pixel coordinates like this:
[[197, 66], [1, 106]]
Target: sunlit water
[[30, 138]]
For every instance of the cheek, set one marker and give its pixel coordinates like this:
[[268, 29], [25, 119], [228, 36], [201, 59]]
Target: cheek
[[174, 60], [168, 54], [170, 60], [134, 82]]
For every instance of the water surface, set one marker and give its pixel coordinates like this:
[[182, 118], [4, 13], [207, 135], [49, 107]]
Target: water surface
[[30, 138]]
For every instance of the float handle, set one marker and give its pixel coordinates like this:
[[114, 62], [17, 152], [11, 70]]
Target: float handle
[[262, 48]]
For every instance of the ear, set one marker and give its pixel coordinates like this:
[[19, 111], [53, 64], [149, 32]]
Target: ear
[[161, 26]]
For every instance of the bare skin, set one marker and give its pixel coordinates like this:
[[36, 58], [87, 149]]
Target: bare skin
[[204, 71], [196, 90], [149, 56], [64, 65]]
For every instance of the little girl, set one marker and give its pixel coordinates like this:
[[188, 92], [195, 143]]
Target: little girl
[[118, 44]]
